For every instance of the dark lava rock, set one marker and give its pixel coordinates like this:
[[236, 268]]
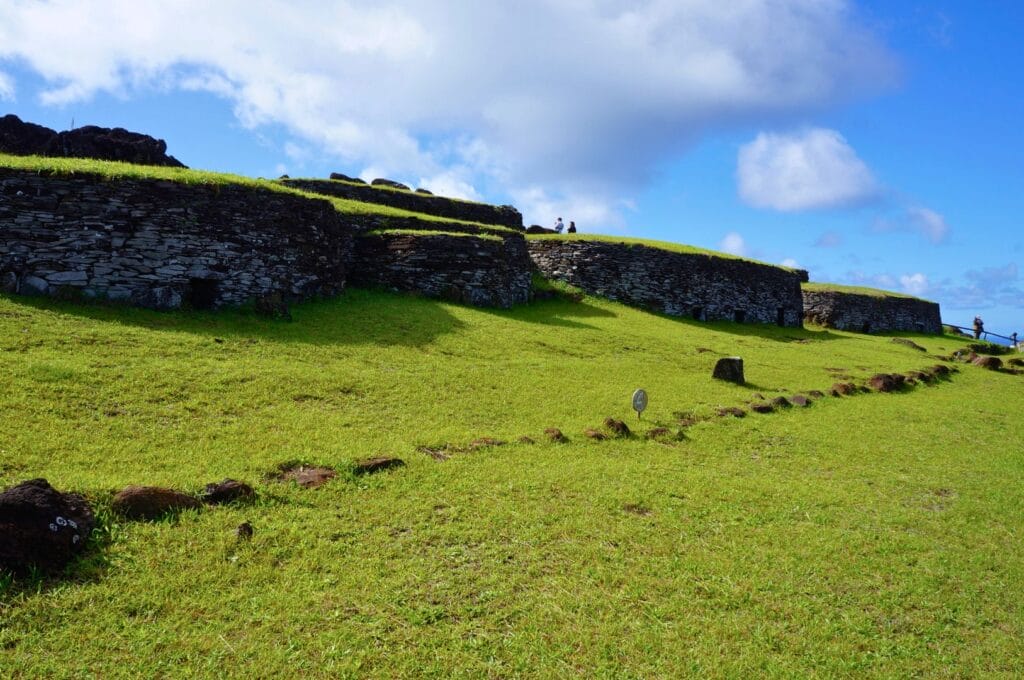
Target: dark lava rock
[[227, 491], [886, 382], [555, 435], [939, 370], [991, 363], [526, 440], [111, 144], [346, 178], [781, 402], [843, 389], [619, 428], [425, 192], [920, 376], [816, 394], [151, 502], [41, 528], [371, 465], [1016, 362], [800, 400], [729, 369], [908, 343], [596, 435], [379, 182], [244, 531], [762, 407], [537, 229], [734, 411]]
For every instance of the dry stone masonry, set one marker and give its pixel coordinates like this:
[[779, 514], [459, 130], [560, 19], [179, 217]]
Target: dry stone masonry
[[487, 272], [162, 244], [861, 313], [696, 285]]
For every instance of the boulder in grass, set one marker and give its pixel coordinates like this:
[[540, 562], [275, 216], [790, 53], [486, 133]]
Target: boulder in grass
[[555, 435], [800, 401], [886, 382], [991, 363], [596, 435], [41, 528], [843, 389], [379, 182], [345, 178], [781, 402], [151, 502], [733, 411], [729, 369], [618, 428], [816, 394], [762, 407], [227, 491], [1016, 362], [370, 465]]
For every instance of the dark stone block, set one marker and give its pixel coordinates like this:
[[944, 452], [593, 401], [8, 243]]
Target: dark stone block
[[151, 502], [41, 528], [227, 491], [379, 182], [371, 465], [729, 369]]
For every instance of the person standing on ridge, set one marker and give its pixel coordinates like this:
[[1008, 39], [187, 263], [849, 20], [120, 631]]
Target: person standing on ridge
[[572, 228], [979, 327], [559, 226]]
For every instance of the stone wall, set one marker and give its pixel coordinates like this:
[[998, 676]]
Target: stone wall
[[870, 314], [699, 286], [502, 215], [487, 272], [163, 244]]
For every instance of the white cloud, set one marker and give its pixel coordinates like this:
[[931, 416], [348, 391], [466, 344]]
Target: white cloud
[[450, 184], [791, 263], [6, 87], [809, 170], [930, 223], [582, 98], [915, 284], [916, 219], [733, 243]]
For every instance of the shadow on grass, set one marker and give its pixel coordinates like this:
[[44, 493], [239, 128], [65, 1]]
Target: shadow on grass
[[357, 317], [554, 312]]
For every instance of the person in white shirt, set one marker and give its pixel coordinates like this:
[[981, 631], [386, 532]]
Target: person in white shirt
[[559, 226]]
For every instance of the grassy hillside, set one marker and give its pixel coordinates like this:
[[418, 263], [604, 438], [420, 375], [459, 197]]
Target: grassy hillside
[[116, 170], [853, 290], [874, 534]]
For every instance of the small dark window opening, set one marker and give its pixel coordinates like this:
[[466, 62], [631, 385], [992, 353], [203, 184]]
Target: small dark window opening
[[866, 328], [202, 293], [781, 318], [698, 313], [739, 315]]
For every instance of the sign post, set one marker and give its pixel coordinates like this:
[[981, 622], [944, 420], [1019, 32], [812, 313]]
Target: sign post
[[639, 402]]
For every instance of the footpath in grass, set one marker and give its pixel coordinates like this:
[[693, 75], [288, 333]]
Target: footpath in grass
[[873, 534]]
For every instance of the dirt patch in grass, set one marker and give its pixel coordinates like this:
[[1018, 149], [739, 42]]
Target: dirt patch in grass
[[617, 427], [306, 476], [637, 509]]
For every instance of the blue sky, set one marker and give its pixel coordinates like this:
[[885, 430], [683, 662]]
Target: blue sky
[[873, 143]]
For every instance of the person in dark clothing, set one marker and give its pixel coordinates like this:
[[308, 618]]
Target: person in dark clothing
[[572, 227], [979, 327]]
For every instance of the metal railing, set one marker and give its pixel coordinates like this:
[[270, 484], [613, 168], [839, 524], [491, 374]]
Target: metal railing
[[1012, 339]]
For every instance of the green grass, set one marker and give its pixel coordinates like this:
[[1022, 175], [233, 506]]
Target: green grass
[[382, 187], [113, 170], [423, 232], [660, 245], [854, 290], [875, 535]]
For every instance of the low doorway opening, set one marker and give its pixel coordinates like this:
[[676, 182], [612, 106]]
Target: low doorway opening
[[202, 294]]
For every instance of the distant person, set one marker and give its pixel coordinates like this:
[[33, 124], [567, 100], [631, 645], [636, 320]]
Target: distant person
[[1013, 339], [559, 226], [572, 228], [979, 327]]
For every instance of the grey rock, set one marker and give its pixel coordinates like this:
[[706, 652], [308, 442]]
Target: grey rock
[[729, 369]]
